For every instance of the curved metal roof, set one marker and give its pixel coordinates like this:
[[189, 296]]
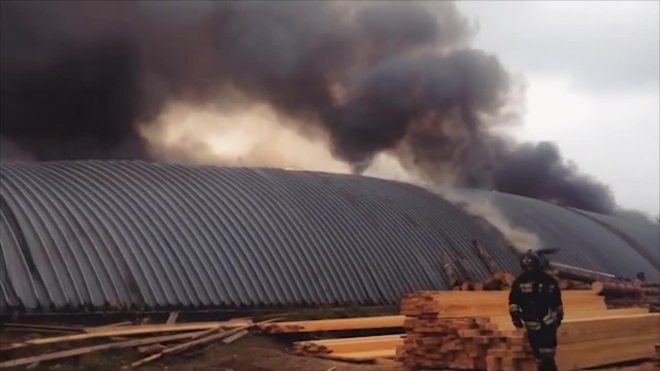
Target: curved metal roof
[[583, 242], [132, 234], [643, 236]]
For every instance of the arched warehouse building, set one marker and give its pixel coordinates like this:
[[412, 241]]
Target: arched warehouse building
[[133, 234]]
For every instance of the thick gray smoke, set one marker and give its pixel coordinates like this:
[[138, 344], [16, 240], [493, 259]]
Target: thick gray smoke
[[79, 78]]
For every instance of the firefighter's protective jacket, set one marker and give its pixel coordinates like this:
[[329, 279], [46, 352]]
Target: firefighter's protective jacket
[[536, 300]]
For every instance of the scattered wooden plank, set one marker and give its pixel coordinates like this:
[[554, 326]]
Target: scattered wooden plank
[[86, 350], [151, 349], [43, 328], [346, 345], [361, 357], [172, 318], [106, 327], [207, 332], [128, 330], [40, 330], [233, 338], [181, 348], [196, 342]]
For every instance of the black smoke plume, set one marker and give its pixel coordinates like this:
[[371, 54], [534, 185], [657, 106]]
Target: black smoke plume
[[79, 78]]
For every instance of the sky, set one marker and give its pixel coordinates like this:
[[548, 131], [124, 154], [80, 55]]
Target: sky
[[593, 71]]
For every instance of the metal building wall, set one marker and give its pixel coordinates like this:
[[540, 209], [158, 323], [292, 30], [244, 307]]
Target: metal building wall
[[133, 234], [583, 242]]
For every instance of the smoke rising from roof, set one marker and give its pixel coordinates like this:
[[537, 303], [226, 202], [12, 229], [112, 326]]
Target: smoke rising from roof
[[86, 80]]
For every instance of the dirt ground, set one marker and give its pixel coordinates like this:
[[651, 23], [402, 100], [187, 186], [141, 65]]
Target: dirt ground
[[260, 353], [251, 353]]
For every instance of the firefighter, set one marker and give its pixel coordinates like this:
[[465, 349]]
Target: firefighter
[[535, 304]]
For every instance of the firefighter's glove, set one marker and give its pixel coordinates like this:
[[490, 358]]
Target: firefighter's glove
[[518, 323]]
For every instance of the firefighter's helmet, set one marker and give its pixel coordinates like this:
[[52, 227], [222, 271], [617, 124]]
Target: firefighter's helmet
[[530, 261]]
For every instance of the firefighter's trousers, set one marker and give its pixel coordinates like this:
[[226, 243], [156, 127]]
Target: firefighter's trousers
[[544, 345]]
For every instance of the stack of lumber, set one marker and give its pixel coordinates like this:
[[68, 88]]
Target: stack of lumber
[[620, 294], [158, 340], [586, 343], [623, 288], [439, 304], [323, 325], [357, 350], [656, 358], [442, 343], [471, 330]]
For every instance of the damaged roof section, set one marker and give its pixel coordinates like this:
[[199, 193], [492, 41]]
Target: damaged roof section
[[583, 242]]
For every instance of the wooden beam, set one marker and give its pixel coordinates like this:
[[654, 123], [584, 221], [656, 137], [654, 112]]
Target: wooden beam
[[172, 318], [485, 257], [196, 342], [236, 336], [361, 357], [622, 288], [105, 327], [579, 274], [86, 350], [37, 327], [129, 330]]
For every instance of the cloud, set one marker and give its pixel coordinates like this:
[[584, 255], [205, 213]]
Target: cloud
[[603, 46]]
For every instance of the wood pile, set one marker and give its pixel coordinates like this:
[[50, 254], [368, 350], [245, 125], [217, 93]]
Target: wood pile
[[443, 304], [446, 343], [620, 294], [469, 330], [583, 343], [155, 340], [623, 288], [355, 350]]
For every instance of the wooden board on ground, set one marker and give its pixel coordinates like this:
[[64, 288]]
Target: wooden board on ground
[[361, 357], [347, 345], [197, 342], [172, 318], [96, 348], [126, 331]]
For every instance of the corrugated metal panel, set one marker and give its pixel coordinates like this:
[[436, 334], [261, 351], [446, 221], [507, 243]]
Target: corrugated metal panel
[[583, 242], [124, 234], [642, 236]]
